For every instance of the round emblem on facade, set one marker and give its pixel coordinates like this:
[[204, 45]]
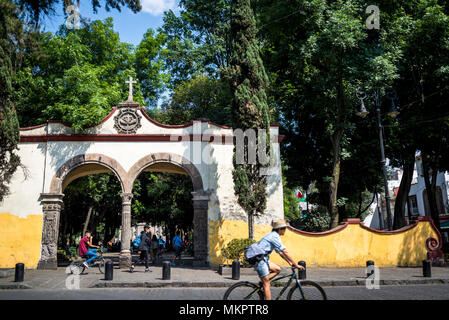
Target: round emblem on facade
[[127, 121]]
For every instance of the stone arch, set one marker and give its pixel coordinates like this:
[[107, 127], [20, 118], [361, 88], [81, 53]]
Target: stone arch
[[170, 158], [200, 199], [57, 182], [52, 202]]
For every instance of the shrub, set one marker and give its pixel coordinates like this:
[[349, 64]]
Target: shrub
[[235, 250], [316, 220]]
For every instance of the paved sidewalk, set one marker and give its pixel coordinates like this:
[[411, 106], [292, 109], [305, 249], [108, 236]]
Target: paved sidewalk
[[207, 277]]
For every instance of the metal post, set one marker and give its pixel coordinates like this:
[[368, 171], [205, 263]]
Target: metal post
[[166, 270], [108, 270], [19, 272], [426, 268], [384, 169], [368, 271], [302, 273], [235, 270]]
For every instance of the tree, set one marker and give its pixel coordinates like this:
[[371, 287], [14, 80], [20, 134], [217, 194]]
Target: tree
[[198, 40], [13, 40], [248, 82], [77, 77], [198, 97], [149, 66], [320, 52], [164, 199], [36, 9], [419, 31]]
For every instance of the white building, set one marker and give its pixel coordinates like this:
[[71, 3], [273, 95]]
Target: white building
[[418, 204]]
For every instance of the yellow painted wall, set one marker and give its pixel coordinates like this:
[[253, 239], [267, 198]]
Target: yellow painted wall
[[350, 247], [20, 240]]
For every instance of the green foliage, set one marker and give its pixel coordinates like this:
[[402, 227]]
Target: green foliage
[[235, 250], [12, 42], [316, 220], [37, 9], [198, 97], [164, 199], [149, 65], [77, 76]]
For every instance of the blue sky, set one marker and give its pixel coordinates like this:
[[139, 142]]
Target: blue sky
[[128, 25]]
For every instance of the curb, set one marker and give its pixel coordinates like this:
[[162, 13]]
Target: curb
[[342, 283], [5, 286]]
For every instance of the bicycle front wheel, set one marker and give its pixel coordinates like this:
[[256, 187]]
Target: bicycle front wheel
[[310, 291], [101, 265], [243, 291]]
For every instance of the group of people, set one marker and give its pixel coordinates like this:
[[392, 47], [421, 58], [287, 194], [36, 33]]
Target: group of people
[[147, 246], [153, 245]]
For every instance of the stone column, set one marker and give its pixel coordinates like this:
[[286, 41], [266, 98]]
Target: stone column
[[201, 227], [51, 207], [125, 253]]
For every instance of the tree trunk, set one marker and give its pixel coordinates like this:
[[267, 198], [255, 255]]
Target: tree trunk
[[333, 186], [402, 196], [430, 190], [251, 225], [86, 223]]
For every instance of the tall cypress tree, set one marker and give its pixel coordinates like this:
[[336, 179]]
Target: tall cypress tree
[[248, 82]]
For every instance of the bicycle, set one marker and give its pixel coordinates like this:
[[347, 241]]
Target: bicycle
[[303, 290], [97, 262]]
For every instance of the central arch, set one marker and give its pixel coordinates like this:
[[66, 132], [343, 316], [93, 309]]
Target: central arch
[[200, 197]]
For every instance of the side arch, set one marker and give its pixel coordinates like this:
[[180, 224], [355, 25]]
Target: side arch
[[52, 201], [200, 199]]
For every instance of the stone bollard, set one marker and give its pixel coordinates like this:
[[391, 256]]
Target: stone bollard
[[166, 270], [426, 268], [368, 264], [235, 270], [108, 270], [302, 273], [19, 272]]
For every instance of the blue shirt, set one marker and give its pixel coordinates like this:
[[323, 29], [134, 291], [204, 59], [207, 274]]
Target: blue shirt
[[177, 241], [270, 242]]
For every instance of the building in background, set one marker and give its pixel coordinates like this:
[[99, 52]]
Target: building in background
[[417, 205]]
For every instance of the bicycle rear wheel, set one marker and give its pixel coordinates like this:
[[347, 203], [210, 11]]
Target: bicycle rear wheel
[[243, 291], [310, 291], [101, 265]]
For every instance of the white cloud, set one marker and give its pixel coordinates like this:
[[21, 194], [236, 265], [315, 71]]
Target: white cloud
[[157, 7]]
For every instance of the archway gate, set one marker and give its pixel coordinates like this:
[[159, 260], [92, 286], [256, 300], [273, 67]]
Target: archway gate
[[127, 142]]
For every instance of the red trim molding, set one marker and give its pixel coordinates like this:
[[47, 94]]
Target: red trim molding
[[220, 139]]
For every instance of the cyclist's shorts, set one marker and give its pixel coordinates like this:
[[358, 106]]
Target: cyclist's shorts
[[262, 267]]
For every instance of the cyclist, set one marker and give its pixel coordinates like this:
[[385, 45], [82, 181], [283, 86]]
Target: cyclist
[[268, 270], [84, 251]]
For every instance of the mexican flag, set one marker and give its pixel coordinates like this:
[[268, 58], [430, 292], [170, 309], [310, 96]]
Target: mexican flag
[[300, 196]]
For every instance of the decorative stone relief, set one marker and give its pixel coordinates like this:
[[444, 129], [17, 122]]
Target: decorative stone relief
[[127, 121]]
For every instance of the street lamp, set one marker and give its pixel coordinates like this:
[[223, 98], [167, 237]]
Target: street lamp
[[361, 95]]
